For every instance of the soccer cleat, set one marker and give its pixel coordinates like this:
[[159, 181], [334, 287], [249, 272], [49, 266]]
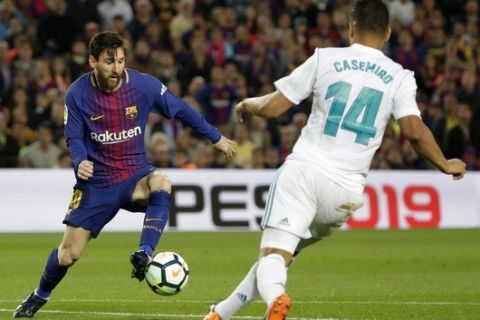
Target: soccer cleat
[[140, 260], [29, 306], [280, 307], [212, 315]]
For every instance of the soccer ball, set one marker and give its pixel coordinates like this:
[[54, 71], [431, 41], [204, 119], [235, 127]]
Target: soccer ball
[[167, 273]]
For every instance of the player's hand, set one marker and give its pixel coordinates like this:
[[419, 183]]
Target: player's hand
[[85, 170], [227, 146], [241, 112], [456, 168]]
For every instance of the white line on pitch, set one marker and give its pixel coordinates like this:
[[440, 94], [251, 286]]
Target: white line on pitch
[[156, 315], [259, 301]]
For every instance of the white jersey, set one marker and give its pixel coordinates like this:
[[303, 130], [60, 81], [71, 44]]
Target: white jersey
[[355, 91]]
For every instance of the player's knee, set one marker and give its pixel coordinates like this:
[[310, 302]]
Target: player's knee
[[287, 256], [159, 181], [67, 256]]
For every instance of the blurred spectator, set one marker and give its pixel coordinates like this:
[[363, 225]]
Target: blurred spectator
[[289, 135], [183, 20], [61, 73], [218, 49], [159, 151], [204, 155], [141, 57], [411, 159], [259, 69], [43, 79], [144, 15], [217, 101], [403, 11], [64, 161], [197, 63], [245, 147], [109, 9], [43, 153], [428, 74], [164, 67], [5, 72], [82, 12], [78, 61], [182, 160], [242, 46], [9, 147], [56, 31], [258, 159], [446, 122], [459, 135], [24, 57], [405, 53], [119, 25], [272, 158]]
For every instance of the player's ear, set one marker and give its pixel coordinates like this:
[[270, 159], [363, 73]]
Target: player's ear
[[351, 32], [92, 62], [388, 34]]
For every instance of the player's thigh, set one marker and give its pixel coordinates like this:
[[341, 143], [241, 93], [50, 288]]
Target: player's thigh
[[336, 206], [291, 203], [280, 242], [154, 181]]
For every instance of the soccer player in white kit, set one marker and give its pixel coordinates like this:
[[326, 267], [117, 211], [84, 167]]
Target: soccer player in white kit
[[355, 92]]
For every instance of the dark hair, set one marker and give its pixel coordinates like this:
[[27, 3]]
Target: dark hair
[[370, 16], [109, 41]]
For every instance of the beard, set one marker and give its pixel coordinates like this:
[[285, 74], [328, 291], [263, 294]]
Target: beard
[[109, 82]]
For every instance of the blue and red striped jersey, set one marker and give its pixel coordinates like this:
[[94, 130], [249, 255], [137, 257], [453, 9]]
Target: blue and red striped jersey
[[108, 128]]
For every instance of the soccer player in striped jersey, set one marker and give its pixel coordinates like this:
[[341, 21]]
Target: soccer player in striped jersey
[[106, 111], [355, 92]]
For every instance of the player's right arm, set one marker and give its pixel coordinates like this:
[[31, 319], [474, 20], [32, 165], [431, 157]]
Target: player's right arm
[[422, 140], [75, 135], [267, 106], [291, 90]]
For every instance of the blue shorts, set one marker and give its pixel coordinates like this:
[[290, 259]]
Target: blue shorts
[[92, 207]]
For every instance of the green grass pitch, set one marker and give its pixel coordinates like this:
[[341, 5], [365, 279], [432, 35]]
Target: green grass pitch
[[364, 275]]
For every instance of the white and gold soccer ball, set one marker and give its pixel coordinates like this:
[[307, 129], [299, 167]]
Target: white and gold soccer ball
[[167, 273]]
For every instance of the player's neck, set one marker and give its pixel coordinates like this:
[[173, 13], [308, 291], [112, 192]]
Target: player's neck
[[375, 43], [369, 39]]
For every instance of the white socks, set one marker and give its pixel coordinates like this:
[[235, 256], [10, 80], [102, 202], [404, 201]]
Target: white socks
[[271, 277], [242, 295]]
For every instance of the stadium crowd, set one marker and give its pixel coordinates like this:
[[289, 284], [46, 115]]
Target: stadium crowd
[[215, 53]]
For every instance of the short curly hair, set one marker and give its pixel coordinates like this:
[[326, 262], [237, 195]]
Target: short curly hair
[[370, 16]]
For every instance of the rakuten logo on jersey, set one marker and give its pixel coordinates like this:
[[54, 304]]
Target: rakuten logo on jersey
[[115, 137]]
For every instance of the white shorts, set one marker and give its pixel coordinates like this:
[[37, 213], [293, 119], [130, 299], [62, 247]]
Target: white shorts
[[305, 202]]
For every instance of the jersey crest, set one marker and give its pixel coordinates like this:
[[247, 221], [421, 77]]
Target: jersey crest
[[131, 112]]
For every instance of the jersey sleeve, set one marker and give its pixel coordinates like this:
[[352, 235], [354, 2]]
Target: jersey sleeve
[[404, 101], [299, 84], [74, 131], [170, 106]]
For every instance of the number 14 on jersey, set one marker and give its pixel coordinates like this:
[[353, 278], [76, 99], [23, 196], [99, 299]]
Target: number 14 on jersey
[[368, 100]]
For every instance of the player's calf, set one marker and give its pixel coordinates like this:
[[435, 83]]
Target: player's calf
[[29, 306]]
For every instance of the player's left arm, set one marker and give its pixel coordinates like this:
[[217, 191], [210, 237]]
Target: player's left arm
[[171, 106], [406, 112]]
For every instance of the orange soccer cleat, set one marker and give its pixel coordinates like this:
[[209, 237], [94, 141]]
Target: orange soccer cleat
[[212, 315], [280, 307]]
